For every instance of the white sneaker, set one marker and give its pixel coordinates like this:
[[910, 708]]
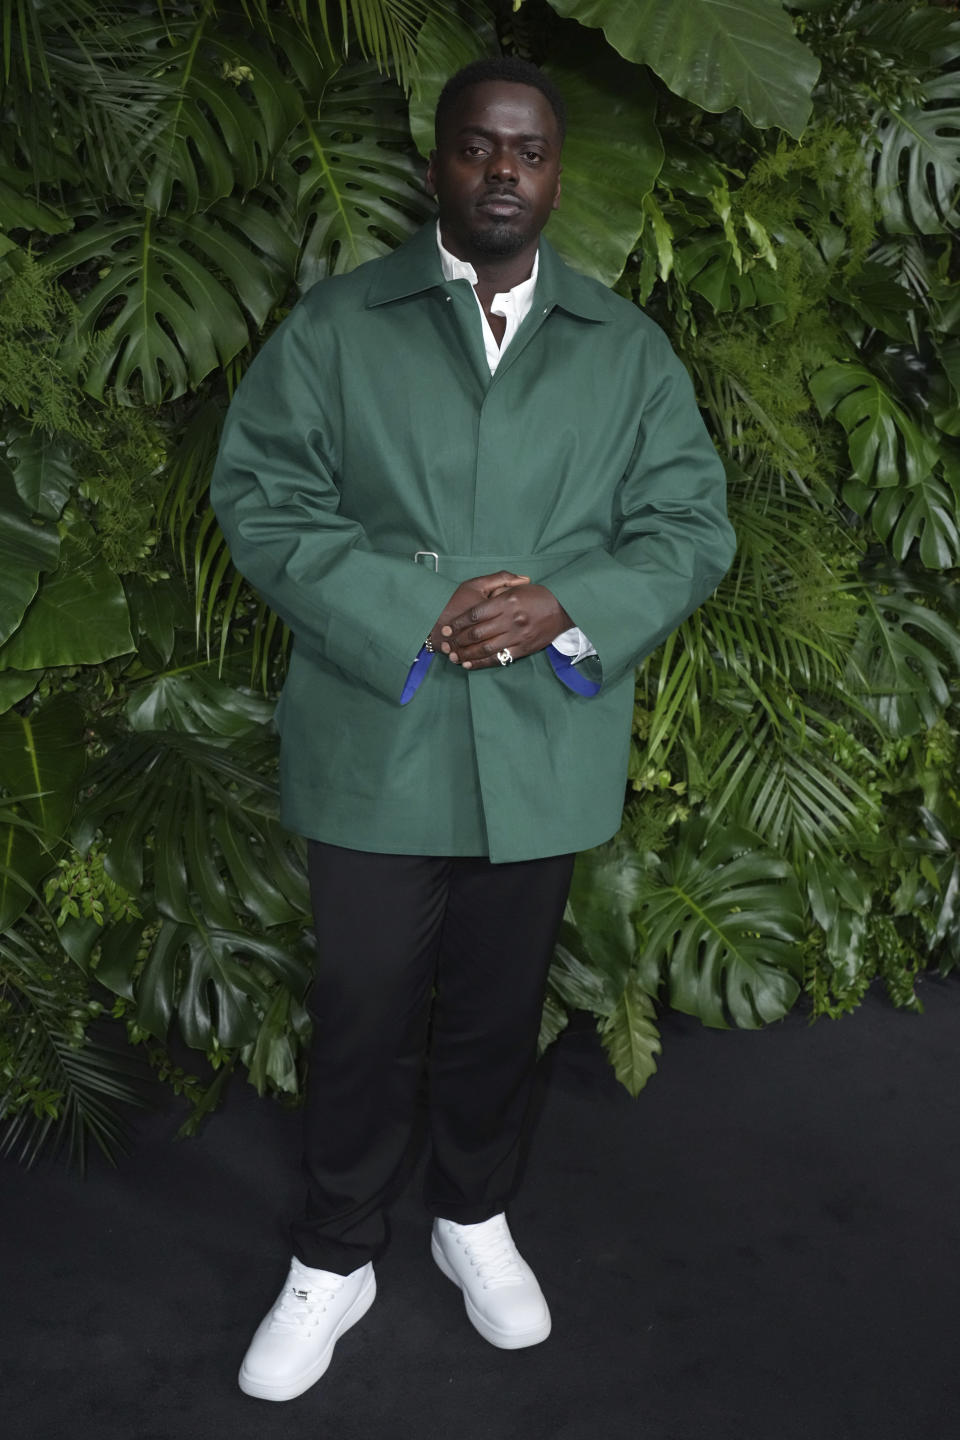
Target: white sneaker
[[500, 1291], [293, 1344]]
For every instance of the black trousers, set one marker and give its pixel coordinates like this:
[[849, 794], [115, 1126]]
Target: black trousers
[[411, 947]]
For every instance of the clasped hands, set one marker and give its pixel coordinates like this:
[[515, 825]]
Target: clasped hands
[[497, 612]]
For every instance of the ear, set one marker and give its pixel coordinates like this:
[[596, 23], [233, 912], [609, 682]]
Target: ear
[[430, 183], [556, 193]]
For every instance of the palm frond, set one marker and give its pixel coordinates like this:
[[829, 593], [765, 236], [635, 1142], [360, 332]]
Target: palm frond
[[228, 616], [61, 1087], [385, 31], [783, 782]]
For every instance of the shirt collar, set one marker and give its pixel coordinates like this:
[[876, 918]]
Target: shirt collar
[[416, 266], [456, 269]]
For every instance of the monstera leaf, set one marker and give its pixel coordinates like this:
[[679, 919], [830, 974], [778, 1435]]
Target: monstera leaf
[[195, 701], [191, 818], [924, 514], [906, 649], [886, 447], [167, 308], [228, 109], [717, 53], [723, 919], [205, 978], [359, 188], [917, 174]]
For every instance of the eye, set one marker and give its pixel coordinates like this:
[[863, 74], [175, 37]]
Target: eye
[[532, 157], [473, 150]]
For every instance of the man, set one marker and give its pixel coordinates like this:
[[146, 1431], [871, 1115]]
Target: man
[[477, 488]]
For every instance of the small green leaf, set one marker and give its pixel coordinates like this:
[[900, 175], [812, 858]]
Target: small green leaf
[[273, 1056], [19, 210], [118, 957], [605, 896], [631, 1038], [27, 547], [15, 685], [43, 471], [42, 760], [157, 610]]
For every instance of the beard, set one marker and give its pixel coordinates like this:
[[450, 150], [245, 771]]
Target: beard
[[499, 239]]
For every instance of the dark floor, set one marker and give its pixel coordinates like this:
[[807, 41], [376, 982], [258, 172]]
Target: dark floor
[[764, 1246]]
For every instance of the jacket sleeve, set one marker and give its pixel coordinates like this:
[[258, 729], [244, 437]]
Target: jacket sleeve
[[274, 490], [671, 540]]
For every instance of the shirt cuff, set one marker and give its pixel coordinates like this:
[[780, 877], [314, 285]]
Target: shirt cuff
[[574, 644]]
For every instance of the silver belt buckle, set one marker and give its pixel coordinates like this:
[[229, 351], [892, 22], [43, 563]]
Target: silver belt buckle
[[428, 555]]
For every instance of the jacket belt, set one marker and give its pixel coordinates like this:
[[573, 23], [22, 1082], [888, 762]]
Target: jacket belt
[[465, 567]]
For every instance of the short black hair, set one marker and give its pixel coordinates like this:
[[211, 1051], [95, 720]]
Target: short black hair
[[502, 67]]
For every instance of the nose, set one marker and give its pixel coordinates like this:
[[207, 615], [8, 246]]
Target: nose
[[501, 166]]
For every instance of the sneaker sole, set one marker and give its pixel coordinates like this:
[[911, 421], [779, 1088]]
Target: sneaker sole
[[503, 1339], [264, 1390]]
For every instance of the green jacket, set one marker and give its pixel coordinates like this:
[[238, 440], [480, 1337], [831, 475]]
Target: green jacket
[[369, 428]]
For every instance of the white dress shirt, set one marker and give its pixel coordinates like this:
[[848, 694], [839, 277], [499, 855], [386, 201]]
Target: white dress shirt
[[514, 305]]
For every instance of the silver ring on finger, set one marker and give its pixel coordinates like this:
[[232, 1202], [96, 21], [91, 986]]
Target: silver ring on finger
[[504, 656]]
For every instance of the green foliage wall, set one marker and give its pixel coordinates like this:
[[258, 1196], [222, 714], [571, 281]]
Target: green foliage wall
[[778, 185]]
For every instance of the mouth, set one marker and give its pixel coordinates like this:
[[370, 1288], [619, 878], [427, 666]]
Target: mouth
[[501, 207]]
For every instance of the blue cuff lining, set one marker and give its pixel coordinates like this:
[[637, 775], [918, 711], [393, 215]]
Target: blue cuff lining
[[563, 667], [417, 673], [568, 674]]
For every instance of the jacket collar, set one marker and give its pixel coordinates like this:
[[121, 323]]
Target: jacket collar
[[415, 267]]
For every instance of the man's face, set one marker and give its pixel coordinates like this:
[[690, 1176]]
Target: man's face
[[496, 169]]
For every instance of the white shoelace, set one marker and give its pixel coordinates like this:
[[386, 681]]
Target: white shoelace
[[302, 1301], [494, 1255]]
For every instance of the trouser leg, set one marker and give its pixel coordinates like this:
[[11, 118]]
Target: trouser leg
[[387, 926], [497, 941], [378, 920]]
